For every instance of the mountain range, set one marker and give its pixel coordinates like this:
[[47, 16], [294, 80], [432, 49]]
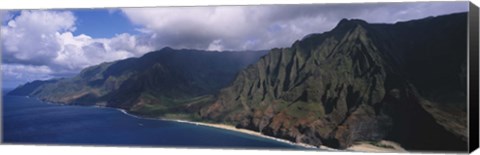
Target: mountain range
[[404, 82]]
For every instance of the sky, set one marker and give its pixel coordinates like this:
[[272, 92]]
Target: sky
[[45, 44]]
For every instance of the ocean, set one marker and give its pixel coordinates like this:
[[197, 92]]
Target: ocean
[[31, 121]]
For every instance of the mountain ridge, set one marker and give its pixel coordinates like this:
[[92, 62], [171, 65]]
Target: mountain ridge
[[357, 78], [167, 75]]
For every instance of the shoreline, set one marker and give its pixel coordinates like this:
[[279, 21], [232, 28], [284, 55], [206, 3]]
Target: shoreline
[[357, 147], [232, 128], [246, 131]]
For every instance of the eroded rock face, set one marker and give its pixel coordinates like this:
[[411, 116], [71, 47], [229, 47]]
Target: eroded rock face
[[311, 94], [346, 85]]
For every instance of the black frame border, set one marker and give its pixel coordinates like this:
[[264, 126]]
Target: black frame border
[[473, 30]]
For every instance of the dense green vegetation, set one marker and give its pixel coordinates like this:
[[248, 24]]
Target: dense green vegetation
[[358, 82]]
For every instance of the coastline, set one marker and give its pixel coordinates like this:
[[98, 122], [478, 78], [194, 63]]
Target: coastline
[[249, 132], [232, 128], [357, 147]]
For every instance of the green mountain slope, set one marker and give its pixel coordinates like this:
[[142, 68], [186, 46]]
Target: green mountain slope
[[155, 84], [404, 82]]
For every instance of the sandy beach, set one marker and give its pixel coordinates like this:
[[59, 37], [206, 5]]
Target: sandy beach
[[250, 132], [368, 147], [231, 128], [358, 147]]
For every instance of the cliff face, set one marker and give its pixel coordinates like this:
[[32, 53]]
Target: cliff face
[[309, 91], [404, 82], [358, 82]]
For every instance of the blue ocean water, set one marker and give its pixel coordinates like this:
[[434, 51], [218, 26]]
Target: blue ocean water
[[30, 121]]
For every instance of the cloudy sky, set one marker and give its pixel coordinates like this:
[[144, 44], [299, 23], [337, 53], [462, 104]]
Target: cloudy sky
[[43, 44]]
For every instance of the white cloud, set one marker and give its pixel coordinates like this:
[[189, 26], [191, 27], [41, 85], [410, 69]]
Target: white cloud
[[21, 71], [198, 27], [30, 37], [216, 45], [12, 73], [45, 38], [43, 41], [267, 26], [80, 51]]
